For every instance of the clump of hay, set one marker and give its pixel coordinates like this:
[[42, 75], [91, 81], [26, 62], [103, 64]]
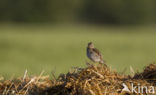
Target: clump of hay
[[26, 86], [92, 80], [148, 73]]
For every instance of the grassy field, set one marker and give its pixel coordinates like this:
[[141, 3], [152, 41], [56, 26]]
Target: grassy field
[[58, 48]]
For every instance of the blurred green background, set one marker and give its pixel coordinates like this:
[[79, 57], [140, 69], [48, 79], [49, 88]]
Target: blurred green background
[[52, 35], [119, 12]]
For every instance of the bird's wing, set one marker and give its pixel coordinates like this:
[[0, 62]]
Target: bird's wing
[[99, 54], [97, 51]]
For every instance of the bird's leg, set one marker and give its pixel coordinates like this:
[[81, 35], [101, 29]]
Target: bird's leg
[[96, 63]]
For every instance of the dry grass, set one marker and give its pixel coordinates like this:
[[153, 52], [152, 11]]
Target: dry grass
[[92, 80]]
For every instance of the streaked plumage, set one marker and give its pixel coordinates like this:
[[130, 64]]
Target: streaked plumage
[[94, 54]]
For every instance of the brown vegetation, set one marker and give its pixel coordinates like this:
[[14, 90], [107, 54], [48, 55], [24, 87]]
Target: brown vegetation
[[92, 80]]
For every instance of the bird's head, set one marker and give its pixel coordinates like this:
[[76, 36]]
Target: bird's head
[[90, 45]]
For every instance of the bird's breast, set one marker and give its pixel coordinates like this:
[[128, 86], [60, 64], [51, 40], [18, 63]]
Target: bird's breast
[[88, 53]]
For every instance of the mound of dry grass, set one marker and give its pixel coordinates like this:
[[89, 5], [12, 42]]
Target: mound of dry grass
[[92, 80]]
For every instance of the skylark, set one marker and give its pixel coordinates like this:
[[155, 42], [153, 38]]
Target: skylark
[[94, 54]]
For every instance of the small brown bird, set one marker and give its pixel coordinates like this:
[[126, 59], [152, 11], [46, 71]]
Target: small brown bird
[[94, 54]]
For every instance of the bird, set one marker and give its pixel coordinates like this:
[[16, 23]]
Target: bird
[[94, 54]]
